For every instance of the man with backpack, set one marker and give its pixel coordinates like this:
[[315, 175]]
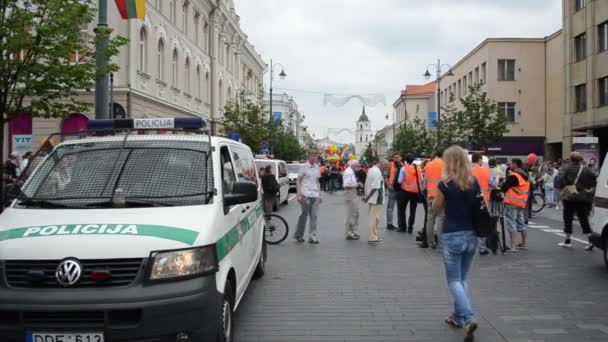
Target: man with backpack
[[577, 197]]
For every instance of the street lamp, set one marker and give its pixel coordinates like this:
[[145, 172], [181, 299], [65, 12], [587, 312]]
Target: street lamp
[[439, 69], [282, 75]]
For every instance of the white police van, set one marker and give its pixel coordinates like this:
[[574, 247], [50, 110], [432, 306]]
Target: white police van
[[599, 237], [122, 235]]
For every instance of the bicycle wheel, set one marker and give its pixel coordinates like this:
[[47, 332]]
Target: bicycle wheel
[[538, 202], [275, 229]]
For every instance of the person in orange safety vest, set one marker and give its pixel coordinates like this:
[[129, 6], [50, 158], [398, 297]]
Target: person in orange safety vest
[[483, 175], [393, 190], [410, 179], [433, 172], [516, 188]]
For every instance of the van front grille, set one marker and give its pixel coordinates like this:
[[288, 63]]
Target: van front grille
[[41, 273]]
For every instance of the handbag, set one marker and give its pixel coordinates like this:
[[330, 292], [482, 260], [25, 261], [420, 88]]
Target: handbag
[[569, 192], [483, 223]]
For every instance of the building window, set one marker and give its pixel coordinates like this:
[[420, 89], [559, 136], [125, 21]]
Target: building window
[[185, 18], [506, 70], [507, 110], [160, 58], [196, 33], [471, 78], [580, 93], [602, 30], [483, 72], [579, 4], [199, 92], [173, 11], [459, 88], [143, 42], [477, 75], [174, 68], [465, 89], [187, 76], [603, 90], [221, 93], [580, 46], [207, 87]]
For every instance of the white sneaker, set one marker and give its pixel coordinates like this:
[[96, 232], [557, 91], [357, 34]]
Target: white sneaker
[[566, 244]]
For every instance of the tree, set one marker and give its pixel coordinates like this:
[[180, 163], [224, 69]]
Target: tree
[[286, 146], [248, 119], [414, 139], [45, 59], [477, 124], [370, 155]]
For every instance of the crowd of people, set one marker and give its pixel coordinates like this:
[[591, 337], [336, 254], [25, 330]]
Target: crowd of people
[[450, 187], [15, 165]]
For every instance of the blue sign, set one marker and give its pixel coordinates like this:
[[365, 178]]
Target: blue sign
[[432, 120], [234, 136], [277, 116]]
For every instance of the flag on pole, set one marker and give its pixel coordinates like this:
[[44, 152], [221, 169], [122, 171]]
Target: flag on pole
[[131, 9]]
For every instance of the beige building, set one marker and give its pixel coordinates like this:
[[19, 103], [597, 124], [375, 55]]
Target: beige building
[[586, 71], [415, 101], [183, 59], [525, 77]]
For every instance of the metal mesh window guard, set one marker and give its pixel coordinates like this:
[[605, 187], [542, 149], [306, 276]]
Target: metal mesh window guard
[[123, 169]]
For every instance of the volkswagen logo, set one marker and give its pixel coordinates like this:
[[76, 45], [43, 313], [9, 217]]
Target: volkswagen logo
[[68, 272]]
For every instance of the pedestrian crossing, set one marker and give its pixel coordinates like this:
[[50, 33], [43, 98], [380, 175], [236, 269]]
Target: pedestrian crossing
[[557, 232]]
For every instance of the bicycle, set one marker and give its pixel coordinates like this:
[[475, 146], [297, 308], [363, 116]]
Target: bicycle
[[497, 210], [276, 229], [538, 202]]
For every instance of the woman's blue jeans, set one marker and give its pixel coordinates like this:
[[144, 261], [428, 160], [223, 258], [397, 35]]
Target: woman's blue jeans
[[458, 253]]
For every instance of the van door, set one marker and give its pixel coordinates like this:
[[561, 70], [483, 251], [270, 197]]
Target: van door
[[251, 220], [283, 181], [236, 256]]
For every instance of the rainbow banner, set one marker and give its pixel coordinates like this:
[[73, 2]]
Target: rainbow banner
[[131, 9]]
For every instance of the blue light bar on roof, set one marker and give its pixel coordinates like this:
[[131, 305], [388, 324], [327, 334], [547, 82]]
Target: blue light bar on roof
[[148, 123]]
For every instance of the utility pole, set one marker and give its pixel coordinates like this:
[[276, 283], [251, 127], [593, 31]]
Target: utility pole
[[102, 104], [270, 123], [213, 67]]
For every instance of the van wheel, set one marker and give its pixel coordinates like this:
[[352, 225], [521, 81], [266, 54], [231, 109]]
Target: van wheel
[[260, 269], [225, 332]]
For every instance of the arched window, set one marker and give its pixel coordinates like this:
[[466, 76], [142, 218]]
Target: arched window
[[198, 82], [361, 139], [143, 42], [173, 10], [221, 91], [206, 37], [361, 127], [187, 76], [229, 93], [174, 68], [185, 18], [160, 58]]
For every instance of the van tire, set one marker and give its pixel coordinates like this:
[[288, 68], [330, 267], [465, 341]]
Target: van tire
[[260, 269], [226, 320]]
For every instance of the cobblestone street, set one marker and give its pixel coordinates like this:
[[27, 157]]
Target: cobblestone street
[[344, 290]]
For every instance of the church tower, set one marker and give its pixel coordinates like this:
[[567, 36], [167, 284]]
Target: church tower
[[364, 133]]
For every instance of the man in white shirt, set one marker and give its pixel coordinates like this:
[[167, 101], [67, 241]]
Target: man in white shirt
[[309, 197], [349, 180], [374, 196]]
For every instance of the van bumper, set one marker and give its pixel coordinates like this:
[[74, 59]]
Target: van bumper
[[598, 241], [138, 313]]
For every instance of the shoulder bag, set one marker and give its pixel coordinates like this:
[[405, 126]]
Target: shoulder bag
[[421, 195], [483, 222], [569, 192]]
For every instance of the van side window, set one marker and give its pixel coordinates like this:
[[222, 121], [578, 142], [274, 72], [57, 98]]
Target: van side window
[[228, 177], [282, 170], [244, 165]]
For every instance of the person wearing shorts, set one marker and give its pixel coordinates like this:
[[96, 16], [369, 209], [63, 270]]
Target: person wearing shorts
[[516, 188]]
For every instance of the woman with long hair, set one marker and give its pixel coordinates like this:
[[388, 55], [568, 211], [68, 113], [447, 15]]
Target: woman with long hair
[[458, 193]]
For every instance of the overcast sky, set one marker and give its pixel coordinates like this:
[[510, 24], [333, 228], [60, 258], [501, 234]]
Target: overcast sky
[[365, 46]]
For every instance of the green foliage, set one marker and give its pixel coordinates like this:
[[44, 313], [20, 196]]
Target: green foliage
[[414, 139], [286, 146], [38, 72], [248, 119], [369, 155]]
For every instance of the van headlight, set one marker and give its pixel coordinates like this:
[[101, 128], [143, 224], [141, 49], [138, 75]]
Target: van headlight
[[182, 263]]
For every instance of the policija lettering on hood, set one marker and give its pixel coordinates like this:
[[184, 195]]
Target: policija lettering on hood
[[82, 229]]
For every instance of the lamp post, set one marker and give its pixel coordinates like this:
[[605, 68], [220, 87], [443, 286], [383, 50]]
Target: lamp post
[[282, 75], [394, 128], [439, 69]]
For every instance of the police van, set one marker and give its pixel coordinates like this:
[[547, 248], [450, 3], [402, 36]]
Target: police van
[[599, 237], [137, 230]]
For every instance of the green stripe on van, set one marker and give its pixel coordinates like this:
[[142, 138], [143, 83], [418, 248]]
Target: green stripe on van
[[162, 232], [235, 235]]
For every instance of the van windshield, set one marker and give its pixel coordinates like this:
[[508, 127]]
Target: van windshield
[[114, 174], [294, 168]]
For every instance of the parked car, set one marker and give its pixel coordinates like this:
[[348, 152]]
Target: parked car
[[132, 237], [279, 169], [292, 172], [599, 237]]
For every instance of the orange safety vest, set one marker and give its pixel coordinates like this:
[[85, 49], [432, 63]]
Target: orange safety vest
[[410, 182], [433, 173], [393, 175], [518, 196], [483, 175]]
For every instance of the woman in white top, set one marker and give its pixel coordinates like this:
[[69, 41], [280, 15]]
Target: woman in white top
[[549, 181]]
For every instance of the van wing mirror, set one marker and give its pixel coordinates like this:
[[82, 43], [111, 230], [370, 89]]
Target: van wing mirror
[[242, 192]]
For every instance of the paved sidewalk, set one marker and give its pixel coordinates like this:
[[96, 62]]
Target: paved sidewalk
[[352, 291]]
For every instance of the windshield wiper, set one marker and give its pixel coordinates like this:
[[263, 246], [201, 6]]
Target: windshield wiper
[[128, 203], [41, 203]]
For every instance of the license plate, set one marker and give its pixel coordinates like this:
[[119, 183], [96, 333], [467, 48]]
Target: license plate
[[69, 337]]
